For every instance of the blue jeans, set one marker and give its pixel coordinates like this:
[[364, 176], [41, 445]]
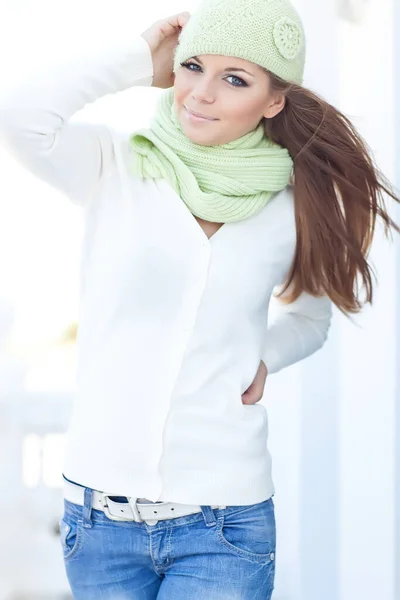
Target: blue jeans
[[216, 554]]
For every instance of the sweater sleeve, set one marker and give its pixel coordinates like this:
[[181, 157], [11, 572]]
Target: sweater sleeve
[[34, 115], [298, 330]]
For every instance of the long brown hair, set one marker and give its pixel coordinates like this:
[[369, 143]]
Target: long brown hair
[[338, 195]]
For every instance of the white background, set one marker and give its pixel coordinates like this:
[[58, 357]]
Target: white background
[[333, 418]]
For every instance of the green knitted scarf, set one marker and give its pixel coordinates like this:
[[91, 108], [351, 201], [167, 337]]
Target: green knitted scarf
[[222, 183]]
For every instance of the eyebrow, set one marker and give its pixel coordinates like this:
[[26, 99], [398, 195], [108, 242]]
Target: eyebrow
[[227, 68]]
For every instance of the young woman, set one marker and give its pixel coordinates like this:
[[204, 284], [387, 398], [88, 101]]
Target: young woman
[[246, 184]]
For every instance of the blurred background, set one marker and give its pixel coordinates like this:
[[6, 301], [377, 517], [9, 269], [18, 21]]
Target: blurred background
[[334, 419]]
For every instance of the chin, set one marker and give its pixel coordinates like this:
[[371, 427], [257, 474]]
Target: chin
[[197, 139]]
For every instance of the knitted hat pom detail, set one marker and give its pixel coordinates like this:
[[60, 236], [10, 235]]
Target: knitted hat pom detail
[[288, 37]]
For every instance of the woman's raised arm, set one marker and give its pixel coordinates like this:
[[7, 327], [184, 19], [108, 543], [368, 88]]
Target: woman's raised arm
[[35, 115]]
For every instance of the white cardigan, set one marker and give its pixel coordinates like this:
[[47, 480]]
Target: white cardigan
[[172, 325]]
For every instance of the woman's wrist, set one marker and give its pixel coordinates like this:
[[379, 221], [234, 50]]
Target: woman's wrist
[[266, 368]]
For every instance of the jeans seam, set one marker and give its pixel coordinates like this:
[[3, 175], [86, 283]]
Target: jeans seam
[[78, 542], [264, 558]]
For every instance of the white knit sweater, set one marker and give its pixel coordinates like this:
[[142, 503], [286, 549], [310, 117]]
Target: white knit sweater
[[172, 325]]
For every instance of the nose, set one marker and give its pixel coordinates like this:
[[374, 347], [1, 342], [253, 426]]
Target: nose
[[203, 92]]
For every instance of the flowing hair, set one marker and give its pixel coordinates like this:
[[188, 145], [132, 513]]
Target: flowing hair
[[338, 194]]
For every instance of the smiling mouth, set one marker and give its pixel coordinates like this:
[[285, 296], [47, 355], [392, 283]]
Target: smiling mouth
[[198, 116]]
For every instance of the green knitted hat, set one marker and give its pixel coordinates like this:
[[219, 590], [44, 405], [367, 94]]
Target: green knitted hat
[[268, 33]]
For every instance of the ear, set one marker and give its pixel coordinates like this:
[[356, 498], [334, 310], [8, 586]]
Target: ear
[[275, 104]]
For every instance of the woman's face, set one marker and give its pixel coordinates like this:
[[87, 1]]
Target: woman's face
[[232, 91]]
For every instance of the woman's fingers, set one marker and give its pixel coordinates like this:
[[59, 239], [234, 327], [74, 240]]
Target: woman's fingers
[[255, 391], [162, 38], [170, 25], [251, 397]]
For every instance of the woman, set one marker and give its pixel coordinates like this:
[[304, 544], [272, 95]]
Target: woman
[[190, 227]]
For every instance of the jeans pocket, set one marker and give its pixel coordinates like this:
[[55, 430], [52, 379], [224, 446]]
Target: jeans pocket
[[249, 533], [71, 536]]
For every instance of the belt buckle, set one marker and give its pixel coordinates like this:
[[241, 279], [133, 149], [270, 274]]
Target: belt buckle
[[132, 504]]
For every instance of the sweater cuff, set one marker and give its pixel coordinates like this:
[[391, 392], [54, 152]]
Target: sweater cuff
[[272, 360], [138, 54]]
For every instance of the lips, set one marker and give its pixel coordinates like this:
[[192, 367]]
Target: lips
[[196, 114]]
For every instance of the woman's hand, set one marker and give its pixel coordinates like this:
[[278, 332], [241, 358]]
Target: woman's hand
[[255, 392], [162, 37]]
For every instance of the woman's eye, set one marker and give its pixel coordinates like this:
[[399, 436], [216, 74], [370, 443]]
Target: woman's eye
[[242, 83], [190, 64]]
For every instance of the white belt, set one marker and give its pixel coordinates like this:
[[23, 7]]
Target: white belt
[[132, 510]]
